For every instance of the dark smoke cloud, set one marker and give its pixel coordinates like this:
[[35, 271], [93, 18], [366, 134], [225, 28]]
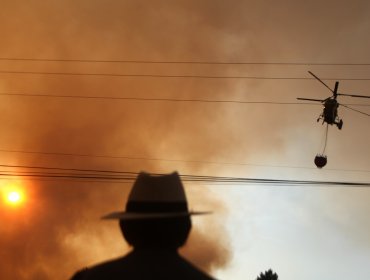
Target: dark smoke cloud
[[58, 230], [62, 230]]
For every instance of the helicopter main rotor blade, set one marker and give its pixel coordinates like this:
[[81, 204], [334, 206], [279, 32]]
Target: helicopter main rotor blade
[[366, 114], [354, 95], [317, 78], [310, 99]]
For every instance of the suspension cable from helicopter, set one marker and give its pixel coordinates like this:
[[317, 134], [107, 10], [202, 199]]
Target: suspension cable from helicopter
[[326, 138]]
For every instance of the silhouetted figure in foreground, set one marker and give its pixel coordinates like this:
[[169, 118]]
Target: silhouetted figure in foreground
[[268, 275], [156, 223]]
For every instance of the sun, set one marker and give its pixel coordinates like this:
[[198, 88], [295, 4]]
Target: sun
[[13, 195]]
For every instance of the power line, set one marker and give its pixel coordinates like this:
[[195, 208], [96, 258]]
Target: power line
[[70, 180], [164, 99], [161, 99], [188, 178], [173, 160], [67, 169], [174, 76], [181, 62]]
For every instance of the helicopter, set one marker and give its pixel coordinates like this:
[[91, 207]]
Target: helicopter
[[330, 115], [330, 111]]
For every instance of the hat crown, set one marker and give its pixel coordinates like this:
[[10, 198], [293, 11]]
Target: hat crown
[[155, 197], [159, 189]]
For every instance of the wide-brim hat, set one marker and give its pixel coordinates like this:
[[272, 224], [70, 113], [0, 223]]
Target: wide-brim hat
[[155, 197]]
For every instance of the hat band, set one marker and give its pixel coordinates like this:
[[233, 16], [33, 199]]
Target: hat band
[[156, 207]]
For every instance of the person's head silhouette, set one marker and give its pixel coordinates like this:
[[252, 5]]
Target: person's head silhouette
[[156, 213], [156, 223]]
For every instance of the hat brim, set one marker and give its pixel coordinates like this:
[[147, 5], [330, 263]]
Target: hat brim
[[140, 215]]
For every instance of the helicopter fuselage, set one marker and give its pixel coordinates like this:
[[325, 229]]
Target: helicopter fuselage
[[330, 113]]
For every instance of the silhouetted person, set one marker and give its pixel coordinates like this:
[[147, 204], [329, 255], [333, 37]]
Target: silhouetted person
[[156, 223]]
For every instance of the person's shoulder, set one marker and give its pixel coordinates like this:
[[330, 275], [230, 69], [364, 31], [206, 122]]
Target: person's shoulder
[[79, 275], [100, 271], [195, 272], [139, 265]]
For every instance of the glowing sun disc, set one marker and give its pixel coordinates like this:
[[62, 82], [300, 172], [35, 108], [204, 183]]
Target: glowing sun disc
[[13, 194], [14, 197]]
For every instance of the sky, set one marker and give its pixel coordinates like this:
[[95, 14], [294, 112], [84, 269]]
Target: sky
[[299, 232]]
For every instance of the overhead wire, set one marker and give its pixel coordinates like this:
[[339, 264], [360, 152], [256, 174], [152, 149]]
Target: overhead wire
[[161, 99], [175, 76], [171, 99], [25, 59], [202, 162], [32, 167], [131, 176], [145, 99], [180, 62]]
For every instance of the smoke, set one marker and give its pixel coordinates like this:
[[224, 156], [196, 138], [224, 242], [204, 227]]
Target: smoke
[[209, 233], [58, 229], [62, 231]]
